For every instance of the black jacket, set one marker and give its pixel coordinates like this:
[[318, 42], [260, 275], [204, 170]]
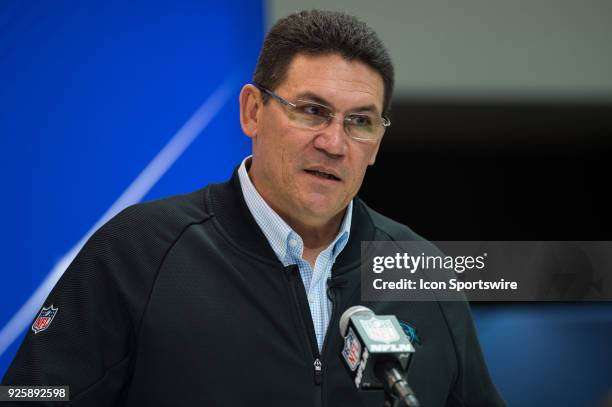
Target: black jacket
[[182, 302]]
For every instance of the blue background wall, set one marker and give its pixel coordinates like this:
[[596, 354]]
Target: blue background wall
[[90, 94], [548, 354]]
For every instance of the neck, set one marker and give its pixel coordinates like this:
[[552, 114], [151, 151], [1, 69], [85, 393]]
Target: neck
[[316, 237], [316, 233]]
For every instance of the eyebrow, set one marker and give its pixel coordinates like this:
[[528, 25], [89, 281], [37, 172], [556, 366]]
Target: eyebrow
[[318, 99]]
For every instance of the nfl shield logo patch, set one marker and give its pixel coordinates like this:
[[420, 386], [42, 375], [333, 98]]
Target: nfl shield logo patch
[[45, 316]]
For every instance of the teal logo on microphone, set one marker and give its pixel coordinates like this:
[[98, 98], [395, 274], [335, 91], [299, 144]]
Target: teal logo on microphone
[[410, 332]]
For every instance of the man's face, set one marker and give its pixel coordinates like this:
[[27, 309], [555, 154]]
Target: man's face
[[287, 161]]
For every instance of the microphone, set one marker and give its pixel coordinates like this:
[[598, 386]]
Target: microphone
[[377, 354], [333, 283]]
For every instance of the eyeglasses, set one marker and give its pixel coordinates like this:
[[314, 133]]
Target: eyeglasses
[[304, 114]]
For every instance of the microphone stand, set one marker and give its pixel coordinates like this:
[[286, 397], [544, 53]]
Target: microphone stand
[[397, 391]]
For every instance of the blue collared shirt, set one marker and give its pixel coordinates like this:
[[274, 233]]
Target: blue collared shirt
[[289, 247]]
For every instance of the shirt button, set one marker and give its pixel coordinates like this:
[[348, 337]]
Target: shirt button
[[292, 242]]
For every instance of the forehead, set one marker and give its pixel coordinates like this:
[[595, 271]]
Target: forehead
[[340, 82]]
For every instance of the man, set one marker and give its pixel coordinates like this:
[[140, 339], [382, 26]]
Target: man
[[231, 295]]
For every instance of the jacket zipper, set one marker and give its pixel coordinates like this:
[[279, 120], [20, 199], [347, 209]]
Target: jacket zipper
[[300, 301], [333, 298]]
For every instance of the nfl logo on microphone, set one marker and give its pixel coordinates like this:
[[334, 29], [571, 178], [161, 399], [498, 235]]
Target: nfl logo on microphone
[[45, 316], [352, 350]]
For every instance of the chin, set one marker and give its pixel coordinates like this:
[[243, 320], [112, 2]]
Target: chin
[[322, 209]]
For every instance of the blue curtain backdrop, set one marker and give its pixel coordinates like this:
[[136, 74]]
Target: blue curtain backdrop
[[94, 99], [548, 354]]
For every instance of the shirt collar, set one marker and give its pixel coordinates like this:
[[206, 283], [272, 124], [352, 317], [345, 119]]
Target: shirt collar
[[276, 230]]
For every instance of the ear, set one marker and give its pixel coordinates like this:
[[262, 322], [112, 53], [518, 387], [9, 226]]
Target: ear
[[250, 109], [375, 152]]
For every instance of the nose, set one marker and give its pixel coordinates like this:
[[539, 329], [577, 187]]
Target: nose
[[332, 140]]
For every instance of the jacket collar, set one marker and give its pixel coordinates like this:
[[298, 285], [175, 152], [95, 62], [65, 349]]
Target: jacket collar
[[225, 203]]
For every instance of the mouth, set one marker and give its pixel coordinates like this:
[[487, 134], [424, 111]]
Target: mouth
[[323, 175]]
